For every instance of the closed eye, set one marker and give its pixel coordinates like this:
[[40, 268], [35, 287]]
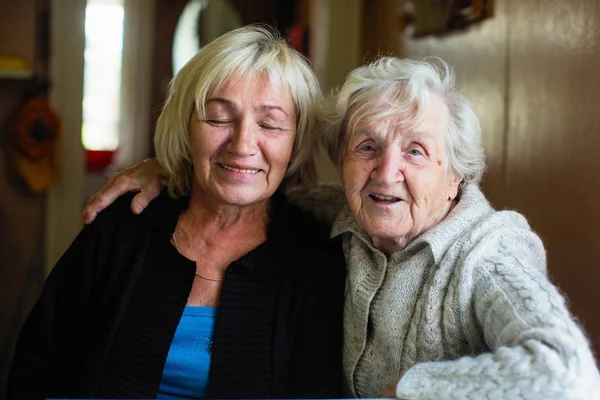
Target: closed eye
[[269, 127], [218, 121]]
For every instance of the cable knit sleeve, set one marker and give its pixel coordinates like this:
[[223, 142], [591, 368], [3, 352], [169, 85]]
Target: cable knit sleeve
[[537, 349]]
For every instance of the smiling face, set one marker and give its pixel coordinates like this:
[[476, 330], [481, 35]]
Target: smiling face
[[396, 177], [241, 149]]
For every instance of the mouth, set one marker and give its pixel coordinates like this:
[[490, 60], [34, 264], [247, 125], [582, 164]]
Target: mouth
[[249, 171], [380, 198]]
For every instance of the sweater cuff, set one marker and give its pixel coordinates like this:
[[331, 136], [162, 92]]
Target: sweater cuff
[[411, 383]]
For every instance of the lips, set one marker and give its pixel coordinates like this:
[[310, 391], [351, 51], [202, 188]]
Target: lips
[[239, 169], [384, 198]]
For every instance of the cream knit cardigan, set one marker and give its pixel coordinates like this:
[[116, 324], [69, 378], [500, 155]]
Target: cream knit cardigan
[[465, 311]]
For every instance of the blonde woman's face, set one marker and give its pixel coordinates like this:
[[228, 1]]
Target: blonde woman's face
[[242, 148]]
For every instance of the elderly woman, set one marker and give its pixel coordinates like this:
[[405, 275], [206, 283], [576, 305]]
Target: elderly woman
[[446, 298], [220, 288]]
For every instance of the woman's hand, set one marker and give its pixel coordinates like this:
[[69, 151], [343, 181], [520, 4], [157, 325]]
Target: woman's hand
[[143, 177], [389, 392]]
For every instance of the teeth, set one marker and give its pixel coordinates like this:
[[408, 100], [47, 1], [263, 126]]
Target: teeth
[[243, 171], [383, 198]]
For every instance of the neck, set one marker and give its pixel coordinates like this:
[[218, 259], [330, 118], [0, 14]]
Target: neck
[[204, 225], [224, 218]]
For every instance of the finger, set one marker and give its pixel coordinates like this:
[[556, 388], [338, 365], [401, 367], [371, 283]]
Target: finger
[[89, 213], [87, 216], [141, 201], [145, 196], [117, 185], [98, 203]]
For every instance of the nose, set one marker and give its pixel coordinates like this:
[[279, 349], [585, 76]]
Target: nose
[[388, 168], [243, 141]]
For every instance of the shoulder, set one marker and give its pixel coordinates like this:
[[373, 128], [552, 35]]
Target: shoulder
[[117, 214], [115, 243], [481, 231], [162, 212], [507, 232], [502, 242], [475, 237], [117, 234]]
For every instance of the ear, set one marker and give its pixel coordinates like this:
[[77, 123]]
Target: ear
[[453, 184]]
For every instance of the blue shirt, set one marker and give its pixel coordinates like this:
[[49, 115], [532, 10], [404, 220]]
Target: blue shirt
[[185, 374]]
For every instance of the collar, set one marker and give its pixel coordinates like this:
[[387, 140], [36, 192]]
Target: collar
[[470, 208]]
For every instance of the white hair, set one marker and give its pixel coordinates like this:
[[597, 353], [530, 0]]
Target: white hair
[[253, 51], [393, 86]]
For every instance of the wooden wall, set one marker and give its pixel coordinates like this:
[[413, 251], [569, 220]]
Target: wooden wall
[[533, 73]]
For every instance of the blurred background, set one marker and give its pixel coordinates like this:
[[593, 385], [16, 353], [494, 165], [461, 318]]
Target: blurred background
[[82, 82]]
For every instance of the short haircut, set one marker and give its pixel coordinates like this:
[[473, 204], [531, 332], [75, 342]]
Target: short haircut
[[394, 86], [253, 51]]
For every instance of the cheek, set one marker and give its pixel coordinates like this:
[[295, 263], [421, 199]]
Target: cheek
[[289, 149], [286, 150], [279, 152], [346, 174], [428, 188], [204, 143], [354, 176]]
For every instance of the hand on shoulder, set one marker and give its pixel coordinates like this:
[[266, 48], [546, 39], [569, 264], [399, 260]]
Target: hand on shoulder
[[143, 178]]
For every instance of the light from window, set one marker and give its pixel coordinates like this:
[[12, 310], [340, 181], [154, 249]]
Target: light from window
[[102, 74]]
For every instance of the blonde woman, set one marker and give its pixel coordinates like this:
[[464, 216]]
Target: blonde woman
[[220, 288]]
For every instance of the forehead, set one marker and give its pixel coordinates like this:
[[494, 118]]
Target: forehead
[[261, 88], [430, 122]]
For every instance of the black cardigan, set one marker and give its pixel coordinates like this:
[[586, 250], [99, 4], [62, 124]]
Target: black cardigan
[[108, 312]]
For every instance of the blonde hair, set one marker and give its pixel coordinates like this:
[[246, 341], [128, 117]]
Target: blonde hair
[[393, 86], [249, 51]]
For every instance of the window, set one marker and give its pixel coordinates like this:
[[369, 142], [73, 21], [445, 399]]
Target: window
[[102, 74]]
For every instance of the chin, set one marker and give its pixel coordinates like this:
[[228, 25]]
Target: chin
[[245, 201], [383, 229]]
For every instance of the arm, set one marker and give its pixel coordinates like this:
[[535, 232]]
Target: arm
[[323, 202], [45, 359], [145, 178], [537, 350]]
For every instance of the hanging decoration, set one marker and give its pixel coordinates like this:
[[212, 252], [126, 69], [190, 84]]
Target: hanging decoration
[[443, 16]]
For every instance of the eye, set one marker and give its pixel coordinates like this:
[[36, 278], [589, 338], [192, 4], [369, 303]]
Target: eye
[[367, 148], [415, 152], [268, 126], [218, 121]]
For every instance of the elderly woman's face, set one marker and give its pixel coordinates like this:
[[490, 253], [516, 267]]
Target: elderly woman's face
[[242, 148], [395, 178]]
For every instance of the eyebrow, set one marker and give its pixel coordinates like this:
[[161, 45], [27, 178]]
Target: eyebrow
[[262, 107], [220, 100], [269, 107]]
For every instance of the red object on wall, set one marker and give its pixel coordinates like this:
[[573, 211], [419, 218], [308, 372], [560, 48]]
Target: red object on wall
[[98, 160], [298, 38]]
